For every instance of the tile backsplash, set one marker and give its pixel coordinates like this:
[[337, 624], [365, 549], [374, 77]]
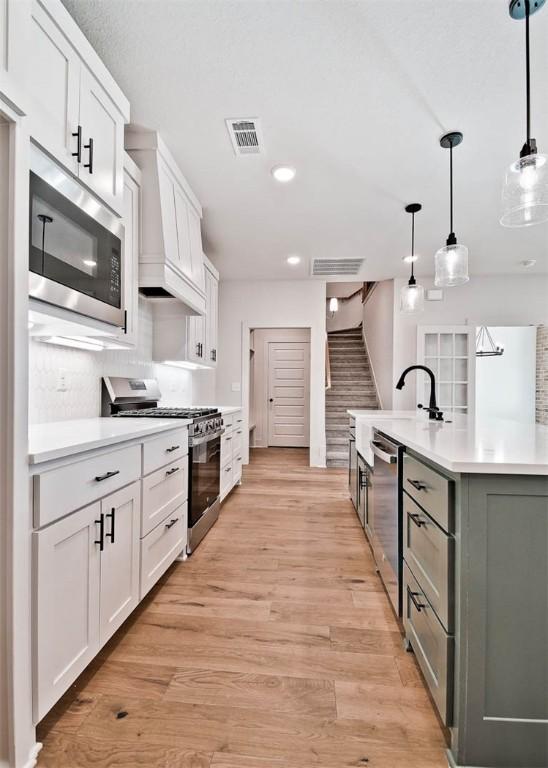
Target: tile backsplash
[[83, 371], [542, 375]]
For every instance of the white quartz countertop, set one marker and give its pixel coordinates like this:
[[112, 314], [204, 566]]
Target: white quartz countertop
[[464, 444], [59, 439]]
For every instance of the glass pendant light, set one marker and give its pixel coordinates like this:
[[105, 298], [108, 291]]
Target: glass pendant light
[[412, 294], [333, 304], [451, 261], [525, 190]]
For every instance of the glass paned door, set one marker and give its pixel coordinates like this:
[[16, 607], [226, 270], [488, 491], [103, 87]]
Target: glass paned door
[[450, 352]]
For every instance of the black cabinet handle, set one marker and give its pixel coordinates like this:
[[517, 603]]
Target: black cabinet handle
[[172, 470], [89, 163], [228, 438], [173, 448], [417, 519], [213, 355], [101, 540], [413, 596], [100, 478], [418, 484], [78, 137], [228, 469], [112, 515], [172, 522]]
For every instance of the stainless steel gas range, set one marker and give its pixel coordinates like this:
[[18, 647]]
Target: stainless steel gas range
[[138, 398]]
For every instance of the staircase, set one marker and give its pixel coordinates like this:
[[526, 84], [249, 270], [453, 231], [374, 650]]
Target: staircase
[[351, 387]]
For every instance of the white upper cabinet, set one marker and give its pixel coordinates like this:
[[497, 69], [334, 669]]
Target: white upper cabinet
[[212, 313], [171, 259], [132, 240], [77, 112], [14, 47]]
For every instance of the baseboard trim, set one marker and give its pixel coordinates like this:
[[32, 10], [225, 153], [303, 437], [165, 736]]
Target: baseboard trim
[[33, 755]]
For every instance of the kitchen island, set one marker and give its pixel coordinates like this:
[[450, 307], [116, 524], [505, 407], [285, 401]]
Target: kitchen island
[[474, 576]]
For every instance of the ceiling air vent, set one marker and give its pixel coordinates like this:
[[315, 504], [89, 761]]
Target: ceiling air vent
[[245, 135], [332, 267]]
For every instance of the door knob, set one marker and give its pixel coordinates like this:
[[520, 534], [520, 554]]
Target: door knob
[[271, 400]]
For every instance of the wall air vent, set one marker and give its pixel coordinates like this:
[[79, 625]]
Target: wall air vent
[[245, 135], [333, 267]]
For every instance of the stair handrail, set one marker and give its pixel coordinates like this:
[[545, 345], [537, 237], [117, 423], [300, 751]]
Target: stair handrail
[[327, 364]]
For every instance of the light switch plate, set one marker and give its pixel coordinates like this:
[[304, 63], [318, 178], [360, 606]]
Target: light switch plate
[[62, 380], [434, 294], [235, 386]]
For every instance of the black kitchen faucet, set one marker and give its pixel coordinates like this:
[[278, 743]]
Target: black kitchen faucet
[[434, 412]]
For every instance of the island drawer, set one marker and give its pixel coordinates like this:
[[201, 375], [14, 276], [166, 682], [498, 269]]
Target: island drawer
[[432, 645], [429, 489], [66, 489], [429, 551], [170, 446], [162, 546], [163, 491]]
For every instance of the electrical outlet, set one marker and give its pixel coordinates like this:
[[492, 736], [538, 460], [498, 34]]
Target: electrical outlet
[[62, 380]]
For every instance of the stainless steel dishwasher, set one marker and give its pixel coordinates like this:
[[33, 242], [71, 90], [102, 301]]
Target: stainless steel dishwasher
[[385, 517]]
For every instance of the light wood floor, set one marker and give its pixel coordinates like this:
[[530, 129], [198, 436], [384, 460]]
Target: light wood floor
[[273, 647]]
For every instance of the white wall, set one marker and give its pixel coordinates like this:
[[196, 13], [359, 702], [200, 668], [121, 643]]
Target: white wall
[[272, 304], [499, 300], [378, 322], [349, 314], [84, 370], [505, 385]]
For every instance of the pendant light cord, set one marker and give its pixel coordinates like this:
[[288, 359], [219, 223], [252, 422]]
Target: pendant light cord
[[451, 189], [412, 246], [528, 71]]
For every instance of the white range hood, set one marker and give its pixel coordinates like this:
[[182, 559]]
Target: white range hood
[[171, 263]]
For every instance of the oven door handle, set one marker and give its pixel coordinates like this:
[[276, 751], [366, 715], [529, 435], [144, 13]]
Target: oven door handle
[[389, 458], [206, 438]]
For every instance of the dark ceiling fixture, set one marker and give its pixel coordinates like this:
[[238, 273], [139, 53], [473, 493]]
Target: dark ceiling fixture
[[412, 294], [525, 190], [451, 261], [485, 346]]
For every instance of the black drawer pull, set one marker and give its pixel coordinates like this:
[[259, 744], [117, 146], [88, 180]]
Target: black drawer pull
[[172, 470], [101, 540], [228, 438], [89, 164], [172, 522], [112, 515], [417, 519], [173, 448], [418, 484], [413, 596], [228, 469], [100, 478], [78, 137]]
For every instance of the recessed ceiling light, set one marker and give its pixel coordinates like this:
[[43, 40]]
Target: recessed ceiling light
[[526, 263], [283, 173], [294, 260], [410, 259]]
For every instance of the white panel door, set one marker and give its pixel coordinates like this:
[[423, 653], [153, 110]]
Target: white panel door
[[288, 393], [102, 167], [67, 571], [450, 352], [120, 558], [54, 86]]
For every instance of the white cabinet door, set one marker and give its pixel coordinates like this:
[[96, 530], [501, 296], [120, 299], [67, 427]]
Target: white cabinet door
[[66, 603], [102, 167], [14, 28], [120, 558], [212, 310], [132, 197], [196, 348], [54, 86], [450, 352]]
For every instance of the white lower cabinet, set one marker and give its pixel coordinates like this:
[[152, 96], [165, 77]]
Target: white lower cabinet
[[162, 546], [67, 579], [120, 558], [231, 452]]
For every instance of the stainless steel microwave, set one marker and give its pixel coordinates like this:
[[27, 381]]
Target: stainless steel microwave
[[76, 245]]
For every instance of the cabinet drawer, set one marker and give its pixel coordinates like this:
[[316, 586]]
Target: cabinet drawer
[[226, 449], [162, 546], [169, 447], [237, 467], [226, 479], [237, 438], [428, 551], [237, 420], [430, 489], [63, 490], [432, 645], [163, 491], [228, 421]]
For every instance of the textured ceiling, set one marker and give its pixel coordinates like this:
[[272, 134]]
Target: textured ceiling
[[353, 94]]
